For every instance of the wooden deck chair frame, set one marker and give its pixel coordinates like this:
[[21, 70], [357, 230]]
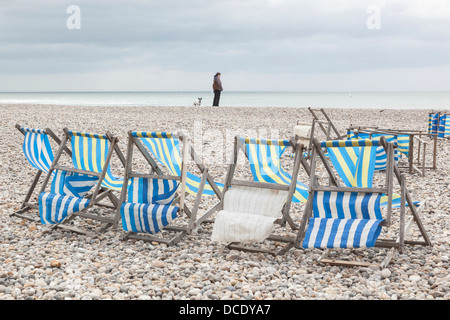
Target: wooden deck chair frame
[[417, 148], [319, 113], [285, 217], [157, 173], [391, 172], [98, 194], [26, 204]]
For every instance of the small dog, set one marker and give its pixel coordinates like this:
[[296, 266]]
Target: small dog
[[198, 103]]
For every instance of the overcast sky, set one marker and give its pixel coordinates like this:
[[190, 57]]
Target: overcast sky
[[178, 45]]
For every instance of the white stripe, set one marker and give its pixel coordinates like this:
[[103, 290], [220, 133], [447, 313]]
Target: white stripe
[[351, 233], [326, 234], [346, 205], [332, 202], [339, 232], [320, 207], [365, 232], [358, 204], [314, 231], [371, 205]]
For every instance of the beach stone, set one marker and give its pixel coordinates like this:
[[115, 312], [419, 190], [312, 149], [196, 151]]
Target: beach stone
[[385, 273], [55, 264]]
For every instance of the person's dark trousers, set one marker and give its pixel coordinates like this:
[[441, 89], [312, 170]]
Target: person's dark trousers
[[216, 98]]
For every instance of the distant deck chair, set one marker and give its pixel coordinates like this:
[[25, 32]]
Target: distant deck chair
[[38, 152], [439, 125], [350, 217], [83, 185], [150, 204], [250, 209], [410, 144]]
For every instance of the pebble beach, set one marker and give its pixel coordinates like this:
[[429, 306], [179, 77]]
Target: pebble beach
[[38, 263]]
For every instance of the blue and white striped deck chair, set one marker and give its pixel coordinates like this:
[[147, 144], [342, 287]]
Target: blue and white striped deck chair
[[68, 197], [344, 220], [39, 154], [150, 204], [165, 147], [264, 158], [351, 216]]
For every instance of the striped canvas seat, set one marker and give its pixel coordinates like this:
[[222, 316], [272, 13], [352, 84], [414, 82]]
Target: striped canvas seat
[[344, 220], [355, 162], [165, 147], [65, 196], [145, 217], [37, 149], [439, 124], [381, 157], [89, 152], [248, 214], [264, 158], [444, 127], [149, 207]]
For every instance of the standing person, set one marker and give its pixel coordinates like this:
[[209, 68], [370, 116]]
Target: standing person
[[217, 87]]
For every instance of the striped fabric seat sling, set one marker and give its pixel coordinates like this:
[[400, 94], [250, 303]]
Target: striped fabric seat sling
[[89, 152], [264, 158], [344, 220], [444, 127], [148, 208], [439, 124], [66, 196], [381, 156], [165, 147], [37, 149], [355, 162]]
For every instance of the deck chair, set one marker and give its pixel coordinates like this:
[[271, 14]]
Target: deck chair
[[264, 157], [39, 154], [251, 209], [350, 217], [439, 125], [356, 165], [83, 185], [150, 204]]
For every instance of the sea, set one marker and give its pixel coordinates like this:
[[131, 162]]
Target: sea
[[377, 100]]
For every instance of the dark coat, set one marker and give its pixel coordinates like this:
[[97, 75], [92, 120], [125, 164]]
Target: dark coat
[[217, 84]]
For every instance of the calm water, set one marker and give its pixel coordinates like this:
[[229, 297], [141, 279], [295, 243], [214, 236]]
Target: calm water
[[385, 100]]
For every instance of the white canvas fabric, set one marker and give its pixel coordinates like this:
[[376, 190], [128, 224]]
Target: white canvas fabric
[[248, 214]]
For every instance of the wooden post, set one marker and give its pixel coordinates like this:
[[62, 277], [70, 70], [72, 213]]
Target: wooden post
[[402, 214]]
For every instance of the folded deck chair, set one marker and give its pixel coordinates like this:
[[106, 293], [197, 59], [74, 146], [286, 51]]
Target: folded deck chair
[[149, 206], [350, 217], [439, 125], [39, 154], [250, 209], [84, 184]]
